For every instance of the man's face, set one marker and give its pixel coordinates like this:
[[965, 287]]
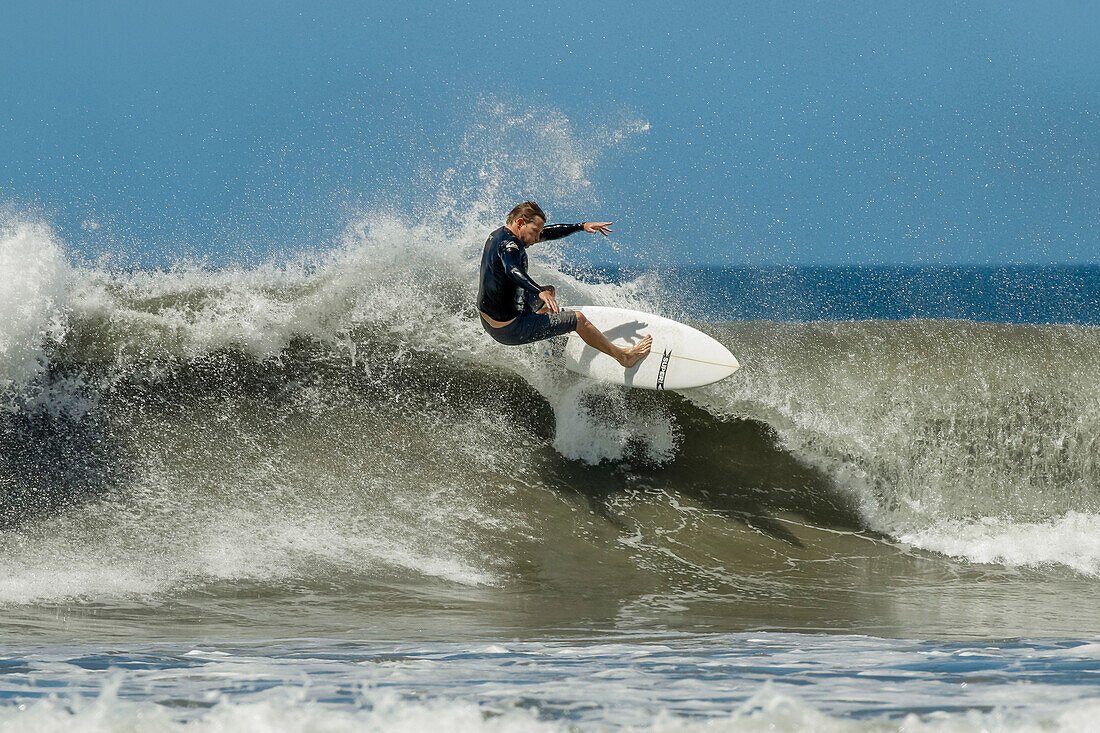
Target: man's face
[[529, 232]]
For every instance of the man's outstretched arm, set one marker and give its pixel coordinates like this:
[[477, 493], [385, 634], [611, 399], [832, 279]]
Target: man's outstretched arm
[[557, 231]]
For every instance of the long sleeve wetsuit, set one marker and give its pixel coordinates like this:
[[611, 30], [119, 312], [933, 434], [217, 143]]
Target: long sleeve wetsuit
[[505, 289]]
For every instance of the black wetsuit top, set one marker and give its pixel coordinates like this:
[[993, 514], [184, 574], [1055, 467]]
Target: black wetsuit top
[[506, 289]]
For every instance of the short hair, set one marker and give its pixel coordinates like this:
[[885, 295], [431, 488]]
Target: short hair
[[528, 210]]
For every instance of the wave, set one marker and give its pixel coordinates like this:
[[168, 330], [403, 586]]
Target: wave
[[347, 404], [196, 404]]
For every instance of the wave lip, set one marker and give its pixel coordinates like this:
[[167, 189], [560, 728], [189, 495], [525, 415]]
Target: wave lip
[[33, 300]]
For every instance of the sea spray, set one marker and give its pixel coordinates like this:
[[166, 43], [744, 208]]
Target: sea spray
[[34, 301]]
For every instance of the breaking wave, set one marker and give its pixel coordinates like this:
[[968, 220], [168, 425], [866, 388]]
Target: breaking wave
[[342, 414]]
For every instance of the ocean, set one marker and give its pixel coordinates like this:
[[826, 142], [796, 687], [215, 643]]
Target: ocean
[[310, 494]]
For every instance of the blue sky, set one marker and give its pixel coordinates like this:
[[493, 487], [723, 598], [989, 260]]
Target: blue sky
[[721, 133]]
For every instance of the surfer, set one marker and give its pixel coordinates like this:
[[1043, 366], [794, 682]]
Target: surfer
[[517, 310]]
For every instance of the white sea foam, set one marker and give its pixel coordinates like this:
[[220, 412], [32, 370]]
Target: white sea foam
[[33, 299], [1072, 540], [94, 554], [594, 423], [276, 714], [294, 709]]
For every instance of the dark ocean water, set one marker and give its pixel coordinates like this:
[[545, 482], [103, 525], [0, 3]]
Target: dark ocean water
[[1068, 294]]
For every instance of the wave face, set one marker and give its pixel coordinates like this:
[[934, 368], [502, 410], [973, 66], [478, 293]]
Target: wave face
[[932, 421]]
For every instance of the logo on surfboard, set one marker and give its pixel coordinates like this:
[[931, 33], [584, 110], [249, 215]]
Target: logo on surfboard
[[664, 368]]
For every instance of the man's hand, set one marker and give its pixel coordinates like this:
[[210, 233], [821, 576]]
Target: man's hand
[[547, 296], [603, 227]]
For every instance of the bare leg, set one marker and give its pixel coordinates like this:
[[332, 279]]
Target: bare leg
[[594, 337]]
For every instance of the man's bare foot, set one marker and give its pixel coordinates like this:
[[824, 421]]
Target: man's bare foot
[[635, 353]]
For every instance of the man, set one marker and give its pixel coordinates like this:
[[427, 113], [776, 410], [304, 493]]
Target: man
[[517, 310]]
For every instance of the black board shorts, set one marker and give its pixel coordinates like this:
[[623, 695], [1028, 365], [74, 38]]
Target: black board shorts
[[532, 327]]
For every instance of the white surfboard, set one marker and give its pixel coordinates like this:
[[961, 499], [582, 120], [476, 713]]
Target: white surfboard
[[682, 357]]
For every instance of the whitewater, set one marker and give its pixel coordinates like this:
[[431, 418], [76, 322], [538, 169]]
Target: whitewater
[[310, 494]]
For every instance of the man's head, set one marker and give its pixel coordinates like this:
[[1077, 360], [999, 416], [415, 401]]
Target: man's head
[[526, 222]]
